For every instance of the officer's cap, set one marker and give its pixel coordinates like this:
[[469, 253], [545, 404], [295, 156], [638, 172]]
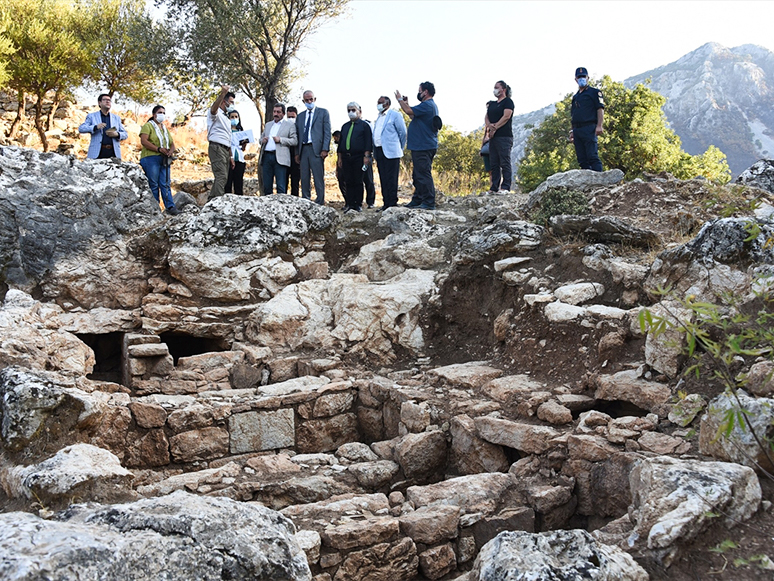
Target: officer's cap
[[581, 72]]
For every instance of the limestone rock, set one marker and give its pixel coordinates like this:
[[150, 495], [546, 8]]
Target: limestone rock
[[572, 554], [575, 179], [179, 537], [395, 561], [325, 435], [471, 454], [467, 375], [62, 225], [436, 562], [201, 444], [760, 174], [356, 452], [664, 351], [470, 493], [237, 232], [740, 445], [578, 293], [686, 409], [257, 431], [80, 471], [346, 312], [527, 438], [673, 499], [431, 525], [760, 379], [554, 413], [627, 386], [500, 237], [29, 338], [422, 455], [360, 533], [603, 229], [374, 475]]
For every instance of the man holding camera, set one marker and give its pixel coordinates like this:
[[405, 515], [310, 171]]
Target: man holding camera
[[106, 130], [423, 143]]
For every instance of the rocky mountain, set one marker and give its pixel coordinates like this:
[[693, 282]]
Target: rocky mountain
[[716, 96]]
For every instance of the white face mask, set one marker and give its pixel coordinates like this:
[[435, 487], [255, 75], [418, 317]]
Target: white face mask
[[379, 107], [352, 114], [160, 117], [496, 92]]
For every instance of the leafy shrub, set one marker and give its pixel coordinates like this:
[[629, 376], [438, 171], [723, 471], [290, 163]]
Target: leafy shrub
[[557, 201]]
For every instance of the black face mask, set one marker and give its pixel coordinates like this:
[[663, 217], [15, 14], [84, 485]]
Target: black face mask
[[419, 96]]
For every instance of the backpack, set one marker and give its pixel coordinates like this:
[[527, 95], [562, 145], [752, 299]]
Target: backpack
[[437, 123]]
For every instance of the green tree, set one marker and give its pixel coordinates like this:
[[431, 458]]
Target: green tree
[[6, 49], [458, 165], [251, 43], [130, 52], [637, 139], [49, 57]]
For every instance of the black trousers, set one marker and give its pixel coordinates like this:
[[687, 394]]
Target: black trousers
[[293, 176], [352, 169], [389, 169], [236, 178]]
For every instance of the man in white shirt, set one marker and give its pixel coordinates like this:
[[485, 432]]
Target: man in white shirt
[[277, 139], [313, 127], [219, 136]]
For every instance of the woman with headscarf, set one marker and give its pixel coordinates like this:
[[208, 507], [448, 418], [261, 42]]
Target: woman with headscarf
[[156, 158]]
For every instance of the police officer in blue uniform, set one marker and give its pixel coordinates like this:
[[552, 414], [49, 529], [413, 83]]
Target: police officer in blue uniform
[[587, 114]]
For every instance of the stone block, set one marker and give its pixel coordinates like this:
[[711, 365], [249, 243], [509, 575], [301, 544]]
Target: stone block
[[147, 450], [333, 404], [148, 415], [361, 533], [257, 431], [196, 445], [431, 525], [148, 350], [383, 562], [326, 435], [436, 562]]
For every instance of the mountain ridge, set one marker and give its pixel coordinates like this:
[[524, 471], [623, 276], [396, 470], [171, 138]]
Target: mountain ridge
[[715, 96]]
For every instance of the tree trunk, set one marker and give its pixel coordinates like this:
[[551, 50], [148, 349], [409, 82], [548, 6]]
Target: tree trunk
[[39, 122], [19, 116], [52, 111]]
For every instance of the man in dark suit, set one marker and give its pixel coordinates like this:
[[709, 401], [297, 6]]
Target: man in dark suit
[[314, 138]]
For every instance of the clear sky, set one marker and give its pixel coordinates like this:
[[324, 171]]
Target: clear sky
[[464, 47]]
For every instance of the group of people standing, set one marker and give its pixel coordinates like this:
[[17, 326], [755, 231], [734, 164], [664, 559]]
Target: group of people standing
[[301, 143], [294, 149]]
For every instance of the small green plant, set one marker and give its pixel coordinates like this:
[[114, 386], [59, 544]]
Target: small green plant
[[717, 338], [557, 201], [724, 546]]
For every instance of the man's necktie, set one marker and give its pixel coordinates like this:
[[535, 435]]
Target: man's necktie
[[351, 127], [307, 127]]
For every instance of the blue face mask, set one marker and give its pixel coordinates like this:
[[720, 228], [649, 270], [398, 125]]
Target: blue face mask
[[234, 122], [582, 81], [309, 106]]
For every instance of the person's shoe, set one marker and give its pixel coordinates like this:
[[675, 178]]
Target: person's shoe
[[370, 206], [357, 209], [411, 204], [425, 207], [172, 211], [504, 192]]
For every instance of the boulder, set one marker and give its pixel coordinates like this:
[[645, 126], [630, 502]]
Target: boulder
[[575, 179], [80, 471], [739, 445], [64, 227], [498, 238], [31, 336], [627, 386], [177, 537], [421, 456], [571, 554], [675, 500], [528, 438], [604, 229], [346, 312], [468, 375], [237, 233], [760, 175]]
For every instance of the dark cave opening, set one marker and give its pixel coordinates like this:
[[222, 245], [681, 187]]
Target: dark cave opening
[[184, 345], [107, 353]]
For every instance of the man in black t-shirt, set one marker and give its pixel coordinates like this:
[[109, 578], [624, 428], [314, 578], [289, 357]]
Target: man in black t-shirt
[[588, 107], [498, 121]]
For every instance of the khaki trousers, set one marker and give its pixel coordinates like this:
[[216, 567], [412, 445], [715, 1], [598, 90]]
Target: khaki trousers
[[220, 160]]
